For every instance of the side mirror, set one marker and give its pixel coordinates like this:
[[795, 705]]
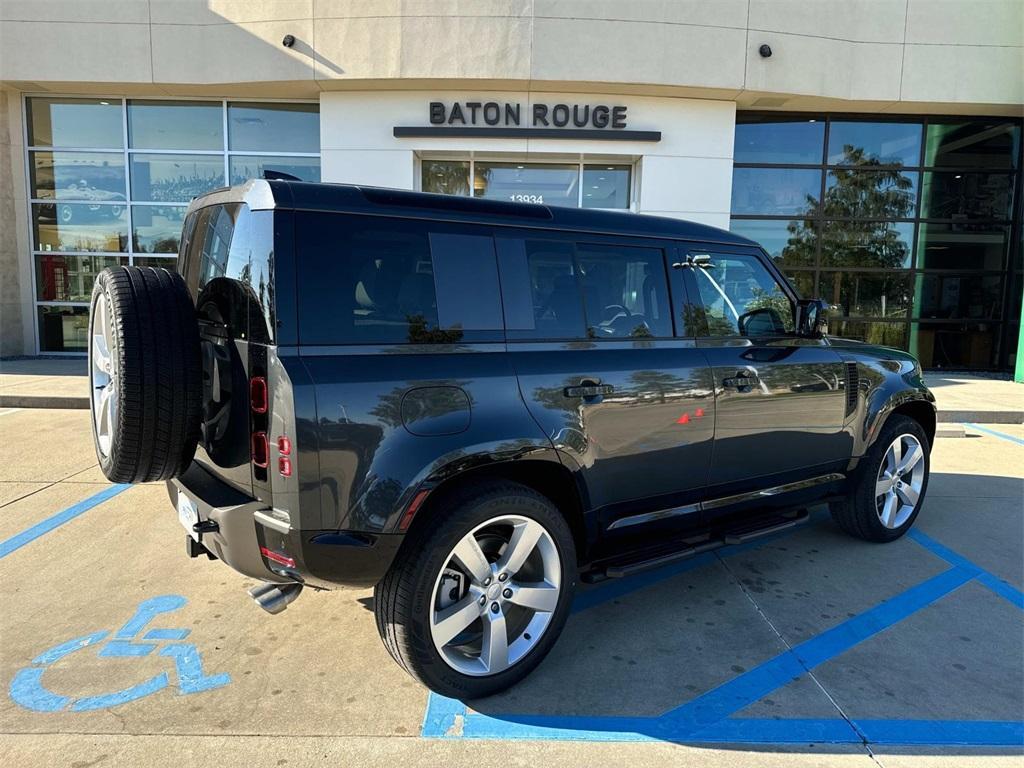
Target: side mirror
[[811, 318]]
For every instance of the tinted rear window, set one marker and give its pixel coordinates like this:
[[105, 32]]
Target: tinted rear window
[[375, 280], [228, 265]]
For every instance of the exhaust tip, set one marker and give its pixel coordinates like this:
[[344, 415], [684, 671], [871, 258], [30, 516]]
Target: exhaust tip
[[274, 598]]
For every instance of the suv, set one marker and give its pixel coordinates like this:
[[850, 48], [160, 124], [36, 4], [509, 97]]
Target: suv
[[470, 404]]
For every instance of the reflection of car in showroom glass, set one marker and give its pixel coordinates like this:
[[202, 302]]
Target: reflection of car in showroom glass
[[84, 204]]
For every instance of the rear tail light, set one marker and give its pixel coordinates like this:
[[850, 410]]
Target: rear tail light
[[284, 466], [260, 450], [258, 394], [278, 557], [284, 446]]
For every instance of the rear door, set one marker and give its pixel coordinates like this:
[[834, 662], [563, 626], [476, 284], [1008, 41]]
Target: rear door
[[217, 252], [780, 402], [627, 402]]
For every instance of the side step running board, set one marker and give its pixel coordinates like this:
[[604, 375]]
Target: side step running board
[[739, 535]]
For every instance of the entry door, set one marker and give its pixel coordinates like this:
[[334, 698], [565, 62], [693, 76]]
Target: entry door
[[627, 404], [780, 402]]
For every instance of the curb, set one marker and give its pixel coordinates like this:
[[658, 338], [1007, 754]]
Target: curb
[[44, 401], [982, 417]]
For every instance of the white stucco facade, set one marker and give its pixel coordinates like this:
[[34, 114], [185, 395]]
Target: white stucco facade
[[684, 68], [687, 173]]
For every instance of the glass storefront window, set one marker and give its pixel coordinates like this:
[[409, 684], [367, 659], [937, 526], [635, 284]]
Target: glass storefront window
[[174, 178], [866, 244], [803, 283], [60, 277], [175, 125], [962, 246], [83, 215], [779, 139], [63, 329], [942, 296], [87, 176], [991, 143], [956, 345], [867, 294], [791, 243], [74, 123], [775, 191], [244, 167], [960, 195], [859, 143], [156, 261], [80, 227], [886, 334], [606, 186], [157, 228], [550, 184], [447, 177], [869, 194], [274, 127]]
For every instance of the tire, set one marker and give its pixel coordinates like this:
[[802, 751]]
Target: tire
[[407, 597], [863, 513], [145, 374]]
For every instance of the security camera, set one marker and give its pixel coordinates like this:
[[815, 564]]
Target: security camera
[[289, 41], [765, 51]]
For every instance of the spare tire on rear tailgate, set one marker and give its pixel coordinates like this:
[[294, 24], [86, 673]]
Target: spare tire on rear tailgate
[[145, 374]]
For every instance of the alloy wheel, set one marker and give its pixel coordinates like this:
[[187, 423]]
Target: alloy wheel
[[103, 375], [900, 481], [495, 596]]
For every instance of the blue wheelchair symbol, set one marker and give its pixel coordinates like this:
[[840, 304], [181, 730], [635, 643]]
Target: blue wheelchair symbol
[[27, 688]]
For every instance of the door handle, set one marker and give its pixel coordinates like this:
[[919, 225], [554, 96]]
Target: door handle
[[589, 389], [743, 381]]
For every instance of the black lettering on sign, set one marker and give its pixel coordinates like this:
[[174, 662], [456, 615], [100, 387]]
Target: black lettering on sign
[[540, 114], [512, 114], [472, 106], [436, 113], [580, 119], [492, 113], [618, 117], [600, 116], [456, 114], [560, 115]]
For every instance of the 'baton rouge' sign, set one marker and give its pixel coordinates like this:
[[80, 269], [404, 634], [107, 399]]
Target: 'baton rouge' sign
[[492, 119]]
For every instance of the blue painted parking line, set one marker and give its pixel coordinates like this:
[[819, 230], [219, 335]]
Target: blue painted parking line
[[697, 719], [710, 717], [995, 433], [43, 527], [990, 580]]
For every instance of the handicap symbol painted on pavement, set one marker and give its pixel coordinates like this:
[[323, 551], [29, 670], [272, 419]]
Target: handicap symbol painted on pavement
[[27, 689]]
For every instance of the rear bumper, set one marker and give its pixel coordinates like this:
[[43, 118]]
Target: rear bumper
[[321, 558]]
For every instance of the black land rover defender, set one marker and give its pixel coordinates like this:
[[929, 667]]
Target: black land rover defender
[[470, 404]]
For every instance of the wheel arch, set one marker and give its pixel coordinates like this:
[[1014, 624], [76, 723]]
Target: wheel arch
[[547, 476], [921, 411]]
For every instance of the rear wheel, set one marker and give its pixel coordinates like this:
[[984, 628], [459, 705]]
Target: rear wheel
[[891, 484], [475, 602], [144, 374]]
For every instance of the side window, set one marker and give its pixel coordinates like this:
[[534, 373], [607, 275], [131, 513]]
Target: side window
[[625, 292], [540, 290], [365, 280], [740, 297]]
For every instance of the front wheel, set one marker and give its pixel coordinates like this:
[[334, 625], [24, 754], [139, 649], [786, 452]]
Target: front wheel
[[475, 601], [890, 486]]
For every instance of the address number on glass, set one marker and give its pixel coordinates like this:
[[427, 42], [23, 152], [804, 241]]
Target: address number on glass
[[526, 198]]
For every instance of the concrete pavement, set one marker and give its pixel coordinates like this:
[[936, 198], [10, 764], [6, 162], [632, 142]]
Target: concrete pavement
[[917, 641]]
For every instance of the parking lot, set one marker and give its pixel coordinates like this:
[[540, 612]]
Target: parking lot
[[807, 648]]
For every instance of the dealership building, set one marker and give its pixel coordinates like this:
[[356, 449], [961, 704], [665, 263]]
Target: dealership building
[[873, 147]]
